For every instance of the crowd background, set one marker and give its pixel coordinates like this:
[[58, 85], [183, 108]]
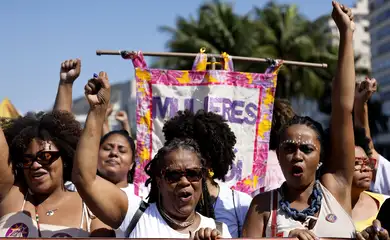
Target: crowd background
[[306, 41], [212, 24]]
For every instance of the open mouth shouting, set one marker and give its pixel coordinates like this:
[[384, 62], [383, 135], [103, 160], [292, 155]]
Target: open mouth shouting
[[185, 196], [38, 176], [297, 171]]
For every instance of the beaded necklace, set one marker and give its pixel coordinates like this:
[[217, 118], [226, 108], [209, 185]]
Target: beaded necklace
[[37, 219], [315, 204]]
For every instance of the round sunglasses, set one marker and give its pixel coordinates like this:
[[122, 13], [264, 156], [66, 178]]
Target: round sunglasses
[[42, 157]]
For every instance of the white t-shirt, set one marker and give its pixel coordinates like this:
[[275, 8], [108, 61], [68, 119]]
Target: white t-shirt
[[382, 179], [152, 225], [230, 212]]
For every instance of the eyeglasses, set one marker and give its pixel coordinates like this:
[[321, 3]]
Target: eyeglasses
[[42, 157], [192, 175], [364, 163]]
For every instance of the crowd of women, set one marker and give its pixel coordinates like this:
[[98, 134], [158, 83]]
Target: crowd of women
[[59, 180]]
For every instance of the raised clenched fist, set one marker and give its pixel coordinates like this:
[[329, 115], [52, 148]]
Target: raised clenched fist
[[365, 89], [343, 17], [97, 92], [70, 70], [121, 116]]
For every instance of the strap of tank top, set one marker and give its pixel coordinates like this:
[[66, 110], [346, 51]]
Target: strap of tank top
[[274, 215], [24, 201], [86, 216]]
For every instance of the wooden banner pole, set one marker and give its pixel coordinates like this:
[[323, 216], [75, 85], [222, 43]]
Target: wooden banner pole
[[193, 55]]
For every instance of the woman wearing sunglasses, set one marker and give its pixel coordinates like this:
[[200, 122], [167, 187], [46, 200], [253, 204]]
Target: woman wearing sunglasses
[[216, 141], [304, 207], [176, 175], [365, 205], [33, 200]]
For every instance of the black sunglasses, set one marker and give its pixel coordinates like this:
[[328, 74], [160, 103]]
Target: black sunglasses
[[43, 157], [192, 175]]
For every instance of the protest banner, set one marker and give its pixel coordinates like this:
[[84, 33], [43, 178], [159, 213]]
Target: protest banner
[[245, 100]]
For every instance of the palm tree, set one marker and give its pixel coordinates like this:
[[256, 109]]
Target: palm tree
[[217, 28], [286, 34], [275, 31]]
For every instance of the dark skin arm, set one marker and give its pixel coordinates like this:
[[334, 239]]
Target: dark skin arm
[[110, 207], [257, 216], [70, 71], [7, 177], [363, 93], [339, 165]]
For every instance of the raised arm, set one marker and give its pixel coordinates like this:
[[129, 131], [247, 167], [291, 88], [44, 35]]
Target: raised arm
[[339, 164], [106, 124], [70, 71], [103, 198], [121, 116], [7, 177], [363, 93]]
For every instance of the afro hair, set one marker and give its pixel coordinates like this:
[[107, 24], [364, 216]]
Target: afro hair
[[60, 127], [215, 138]]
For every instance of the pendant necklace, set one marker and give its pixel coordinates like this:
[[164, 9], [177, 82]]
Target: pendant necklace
[[51, 212]]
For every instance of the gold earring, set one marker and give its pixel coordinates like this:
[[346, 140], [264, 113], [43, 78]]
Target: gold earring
[[211, 173]]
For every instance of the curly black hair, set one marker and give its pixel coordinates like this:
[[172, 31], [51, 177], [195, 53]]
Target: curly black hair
[[361, 140], [157, 164], [282, 113], [309, 122], [215, 138], [60, 127], [130, 174]]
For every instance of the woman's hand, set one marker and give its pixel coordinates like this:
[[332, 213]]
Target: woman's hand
[[70, 70], [343, 17], [206, 233], [97, 92], [364, 91], [373, 232], [302, 234]]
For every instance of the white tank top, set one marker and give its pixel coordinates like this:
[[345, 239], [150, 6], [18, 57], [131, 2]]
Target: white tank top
[[332, 222], [19, 224]]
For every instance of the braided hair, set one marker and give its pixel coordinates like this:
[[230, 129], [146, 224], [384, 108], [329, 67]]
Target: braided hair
[[215, 138], [157, 164], [282, 113], [124, 133]]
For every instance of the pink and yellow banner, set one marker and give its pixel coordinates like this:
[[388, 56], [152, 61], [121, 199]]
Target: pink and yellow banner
[[245, 100]]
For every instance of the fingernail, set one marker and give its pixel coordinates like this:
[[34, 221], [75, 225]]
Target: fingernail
[[95, 75], [378, 229]]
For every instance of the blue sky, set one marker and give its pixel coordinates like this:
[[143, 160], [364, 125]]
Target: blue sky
[[36, 36]]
